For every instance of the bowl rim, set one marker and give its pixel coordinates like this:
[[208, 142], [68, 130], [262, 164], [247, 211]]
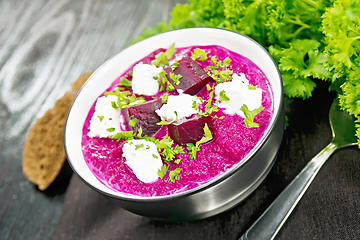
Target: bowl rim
[[227, 174]]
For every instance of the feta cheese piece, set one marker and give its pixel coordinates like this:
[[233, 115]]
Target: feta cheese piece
[[143, 82], [239, 94], [181, 104], [106, 120], [143, 158]]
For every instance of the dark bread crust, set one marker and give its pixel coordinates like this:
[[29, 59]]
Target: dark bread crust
[[43, 153]]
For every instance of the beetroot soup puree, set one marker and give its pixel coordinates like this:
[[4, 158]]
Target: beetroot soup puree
[[231, 142]]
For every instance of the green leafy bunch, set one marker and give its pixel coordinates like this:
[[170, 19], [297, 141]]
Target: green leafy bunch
[[342, 54], [308, 39]]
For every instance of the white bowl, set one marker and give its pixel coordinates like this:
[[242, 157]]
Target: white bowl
[[215, 196]]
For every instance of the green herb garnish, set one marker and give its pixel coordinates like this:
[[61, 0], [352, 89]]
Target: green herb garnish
[[125, 99], [222, 117], [137, 146], [225, 75], [207, 136], [164, 82], [194, 148], [195, 105], [250, 115], [139, 133], [252, 87], [209, 108], [163, 58], [174, 65], [175, 78], [132, 122], [127, 135], [174, 175], [125, 82], [100, 118], [198, 54], [223, 97], [114, 105], [221, 76], [162, 172], [217, 72], [227, 61], [163, 122], [166, 148], [110, 129], [164, 98]]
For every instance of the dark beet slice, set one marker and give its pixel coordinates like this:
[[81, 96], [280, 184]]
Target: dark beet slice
[[189, 131], [194, 78], [145, 115]]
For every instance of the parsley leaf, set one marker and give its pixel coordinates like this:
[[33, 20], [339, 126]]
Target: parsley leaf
[[132, 122], [162, 172], [125, 99], [250, 115], [223, 97], [164, 98], [110, 129], [138, 146], [127, 135], [174, 65], [217, 72], [163, 122], [198, 54], [125, 82], [174, 175], [209, 107], [194, 148], [252, 87], [163, 58], [227, 61], [166, 149], [164, 82], [297, 63], [207, 136], [175, 78], [139, 133]]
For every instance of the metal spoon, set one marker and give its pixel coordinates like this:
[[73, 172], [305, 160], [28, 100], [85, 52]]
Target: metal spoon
[[270, 222]]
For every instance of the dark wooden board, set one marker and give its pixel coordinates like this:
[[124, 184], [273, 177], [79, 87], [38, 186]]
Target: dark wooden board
[[46, 45]]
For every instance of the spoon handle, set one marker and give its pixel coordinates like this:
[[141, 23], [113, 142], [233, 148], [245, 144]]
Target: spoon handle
[[270, 222]]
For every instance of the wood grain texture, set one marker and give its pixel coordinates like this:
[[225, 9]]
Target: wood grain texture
[[44, 47]]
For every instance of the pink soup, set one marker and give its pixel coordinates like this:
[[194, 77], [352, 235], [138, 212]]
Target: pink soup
[[231, 142]]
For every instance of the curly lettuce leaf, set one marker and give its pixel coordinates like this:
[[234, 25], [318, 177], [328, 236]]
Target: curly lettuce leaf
[[246, 17], [350, 99], [307, 38], [341, 28], [298, 64], [183, 16]]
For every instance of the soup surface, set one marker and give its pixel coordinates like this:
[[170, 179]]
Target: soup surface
[[226, 138]]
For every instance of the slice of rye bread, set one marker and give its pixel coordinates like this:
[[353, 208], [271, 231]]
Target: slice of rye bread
[[43, 153]]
